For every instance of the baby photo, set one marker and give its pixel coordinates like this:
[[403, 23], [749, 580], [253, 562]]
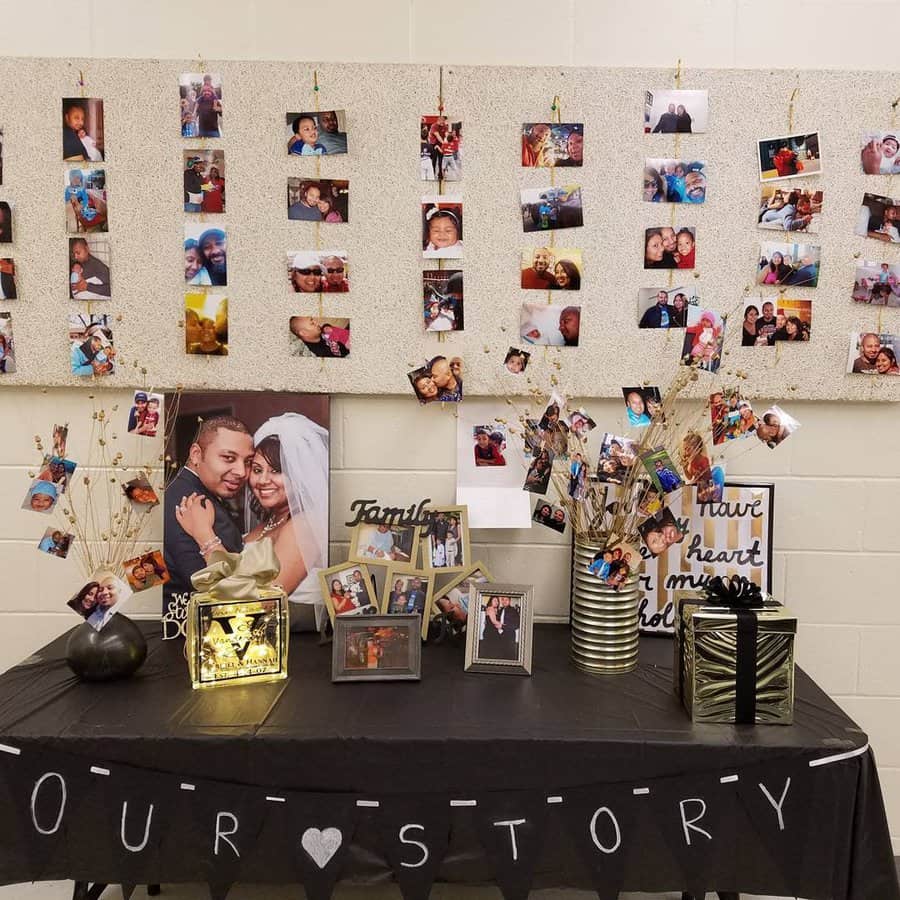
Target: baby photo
[[516, 361], [879, 218], [781, 209], [665, 248], [663, 474], [82, 130], [537, 479], [553, 326], [580, 423], [58, 471], [41, 496], [489, 443], [201, 104], [348, 590], [551, 269], [7, 345], [789, 157], [8, 288], [56, 542], [676, 112], [873, 354], [89, 277], [641, 405], [205, 255], [774, 426], [85, 201], [551, 144], [324, 336], [880, 152], [876, 283], [614, 564], [100, 599], [6, 229], [440, 379], [318, 200], [617, 456], [665, 307], [544, 209], [442, 292], [406, 594], [439, 149], [731, 416], [140, 493], [206, 324], [146, 571], [703, 339], [316, 133], [384, 544], [674, 181], [661, 531], [204, 181], [550, 516], [145, 414], [318, 271], [695, 462], [796, 265], [442, 228], [91, 345]]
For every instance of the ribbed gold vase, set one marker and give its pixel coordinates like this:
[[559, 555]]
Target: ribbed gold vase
[[604, 621]]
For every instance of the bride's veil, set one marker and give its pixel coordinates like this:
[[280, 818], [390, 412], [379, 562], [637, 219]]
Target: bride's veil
[[304, 465]]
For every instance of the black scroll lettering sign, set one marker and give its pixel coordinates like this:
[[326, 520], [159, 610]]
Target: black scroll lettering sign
[[368, 512]]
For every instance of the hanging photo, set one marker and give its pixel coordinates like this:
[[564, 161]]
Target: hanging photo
[[489, 444], [617, 457], [41, 496], [613, 565], [548, 208], [537, 478], [100, 598], [440, 143], [146, 571], [879, 218], [873, 354], [442, 227], [641, 405], [703, 339], [676, 112], [89, 277], [91, 339], [327, 337], [318, 271], [774, 426], [82, 130], [8, 288], [443, 299], [661, 531], [348, 590], [516, 360], [440, 379], [145, 415], [85, 201], [201, 104], [205, 255], [789, 157], [796, 265], [731, 416], [58, 471], [674, 181], [498, 633], [56, 542], [551, 269], [663, 474], [665, 248], [880, 152], [206, 324], [7, 345], [6, 228], [140, 493], [552, 144], [877, 283], [204, 181], [553, 517], [377, 648], [317, 133], [783, 209], [318, 200], [553, 326], [665, 307]]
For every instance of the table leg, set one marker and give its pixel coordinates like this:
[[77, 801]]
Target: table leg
[[153, 890], [84, 890], [723, 895]]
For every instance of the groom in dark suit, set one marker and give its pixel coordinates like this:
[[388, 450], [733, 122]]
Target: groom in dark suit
[[217, 468], [509, 619]]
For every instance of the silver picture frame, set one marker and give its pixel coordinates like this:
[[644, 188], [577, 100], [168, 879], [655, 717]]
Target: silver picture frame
[[496, 653], [352, 629]]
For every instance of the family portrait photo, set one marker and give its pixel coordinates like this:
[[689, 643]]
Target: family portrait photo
[[445, 540], [774, 425], [6, 228], [489, 444], [873, 354], [201, 104], [7, 345], [56, 542], [641, 405], [454, 598], [146, 571], [552, 326], [879, 218], [551, 144], [516, 360], [703, 339], [789, 157], [206, 324], [89, 277], [327, 337], [731, 416], [318, 200], [676, 112], [317, 133], [382, 649], [665, 307], [789, 210], [776, 319], [440, 145], [348, 590], [796, 265], [318, 271], [91, 351], [674, 181], [537, 478], [84, 195], [498, 635], [879, 152], [249, 465], [551, 269], [617, 457], [551, 516], [877, 283], [100, 598], [442, 227], [385, 545], [406, 594], [549, 208], [661, 531], [614, 564], [442, 298], [82, 130], [8, 287], [666, 248], [145, 415], [204, 181], [205, 255], [440, 379]]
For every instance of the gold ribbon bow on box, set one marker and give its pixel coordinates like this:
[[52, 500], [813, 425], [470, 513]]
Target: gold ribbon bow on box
[[239, 576]]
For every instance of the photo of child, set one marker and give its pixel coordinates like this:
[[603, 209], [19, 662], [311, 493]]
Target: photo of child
[[89, 277], [317, 133], [82, 130], [614, 564], [880, 153], [731, 416], [548, 208], [41, 496], [674, 181], [91, 351], [201, 104], [442, 291], [146, 571], [879, 218], [84, 195], [551, 144], [516, 360], [664, 248], [789, 210], [553, 326], [348, 590], [490, 442], [789, 157], [663, 474], [7, 345], [660, 531], [145, 414], [327, 337], [440, 142], [703, 339], [442, 227], [204, 181], [617, 456], [56, 543], [206, 324], [774, 426]]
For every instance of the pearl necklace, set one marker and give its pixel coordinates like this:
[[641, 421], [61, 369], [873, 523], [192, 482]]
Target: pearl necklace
[[271, 526]]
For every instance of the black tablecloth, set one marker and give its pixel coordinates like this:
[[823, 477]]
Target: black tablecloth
[[454, 732]]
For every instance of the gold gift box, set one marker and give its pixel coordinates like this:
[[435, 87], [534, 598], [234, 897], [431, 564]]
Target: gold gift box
[[705, 671], [237, 641]]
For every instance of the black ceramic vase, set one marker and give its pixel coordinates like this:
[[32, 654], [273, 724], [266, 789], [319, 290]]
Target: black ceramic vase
[[117, 651]]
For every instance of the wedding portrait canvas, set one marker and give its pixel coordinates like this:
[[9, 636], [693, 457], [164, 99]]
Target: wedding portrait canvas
[[261, 460], [9, 290], [665, 307], [445, 540], [440, 149], [407, 593], [550, 208], [7, 345], [547, 145], [396, 546], [669, 111], [318, 271], [206, 324], [316, 133], [200, 95], [792, 156], [499, 629], [91, 347], [377, 648], [876, 283], [318, 200], [204, 181], [666, 248], [205, 255], [326, 337], [873, 354], [84, 196], [442, 227], [879, 152], [348, 590], [551, 269], [89, 263], [674, 181], [879, 218], [790, 209], [442, 292], [551, 326], [82, 130], [791, 264]]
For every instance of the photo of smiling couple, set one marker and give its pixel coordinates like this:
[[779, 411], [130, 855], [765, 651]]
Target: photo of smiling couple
[[253, 466]]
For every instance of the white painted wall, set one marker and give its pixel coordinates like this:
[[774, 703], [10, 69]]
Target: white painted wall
[[838, 491]]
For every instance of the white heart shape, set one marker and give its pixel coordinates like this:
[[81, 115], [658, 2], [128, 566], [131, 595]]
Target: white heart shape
[[321, 845]]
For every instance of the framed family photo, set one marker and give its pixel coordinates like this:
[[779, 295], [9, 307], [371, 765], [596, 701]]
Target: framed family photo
[[348, 590], [499, 630], [377, 648], [396, 546], [445, 541], [408, 593], [453, 598]]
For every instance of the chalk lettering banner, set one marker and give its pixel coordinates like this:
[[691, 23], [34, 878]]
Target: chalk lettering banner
[[731, 537]]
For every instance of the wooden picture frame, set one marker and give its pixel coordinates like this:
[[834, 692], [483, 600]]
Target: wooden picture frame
[[376, 648], [430, 552], [438, 593], [501, 653], [392, 576], [326, 576], [362, 550]]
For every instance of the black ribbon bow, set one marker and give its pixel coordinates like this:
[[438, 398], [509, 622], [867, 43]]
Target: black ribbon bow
[[736, 592]]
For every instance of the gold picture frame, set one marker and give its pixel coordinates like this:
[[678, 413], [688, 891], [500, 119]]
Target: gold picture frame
[[431, 552], [392, 576], [438, 593], [326, 576], [363, 550]]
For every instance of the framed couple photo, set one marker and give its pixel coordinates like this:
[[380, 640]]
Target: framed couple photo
[[499, 630]]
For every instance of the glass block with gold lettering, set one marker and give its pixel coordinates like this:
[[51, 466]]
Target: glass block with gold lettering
[[237, 641]]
